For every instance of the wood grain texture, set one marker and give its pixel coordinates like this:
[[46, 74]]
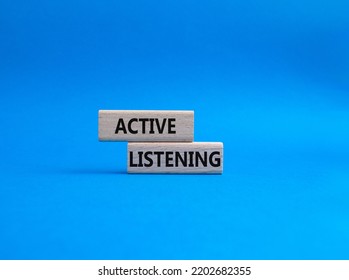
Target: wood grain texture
[[196, 157], [145, 126]]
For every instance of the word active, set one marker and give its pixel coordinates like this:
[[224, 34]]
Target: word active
[[144, 126]]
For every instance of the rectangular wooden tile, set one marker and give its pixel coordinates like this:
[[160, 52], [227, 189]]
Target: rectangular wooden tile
[[145, 126], [196, 157]]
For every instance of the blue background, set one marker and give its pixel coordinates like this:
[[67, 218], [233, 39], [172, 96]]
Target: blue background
[[270, 79]]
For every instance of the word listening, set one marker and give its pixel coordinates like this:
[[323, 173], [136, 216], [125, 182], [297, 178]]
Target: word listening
[[175, 159]]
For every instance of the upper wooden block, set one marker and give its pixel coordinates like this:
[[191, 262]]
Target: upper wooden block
[[146, 126]]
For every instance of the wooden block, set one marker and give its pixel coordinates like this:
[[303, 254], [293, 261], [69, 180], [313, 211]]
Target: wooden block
[[197, 157], [146, 126]]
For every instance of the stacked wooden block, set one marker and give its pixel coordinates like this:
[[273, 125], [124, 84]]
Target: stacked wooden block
[[160, 141]]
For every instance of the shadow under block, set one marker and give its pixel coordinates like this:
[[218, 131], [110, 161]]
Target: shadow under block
[[146, 126], [196, 157]]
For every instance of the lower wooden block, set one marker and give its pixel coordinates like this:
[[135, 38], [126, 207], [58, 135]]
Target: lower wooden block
[[196, 157]]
